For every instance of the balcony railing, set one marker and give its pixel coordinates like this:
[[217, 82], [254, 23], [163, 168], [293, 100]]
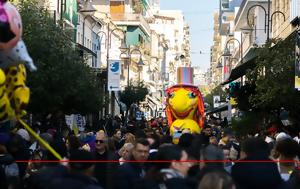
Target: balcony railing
[[135, 19]]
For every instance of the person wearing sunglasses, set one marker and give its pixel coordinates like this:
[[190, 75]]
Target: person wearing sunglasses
[[104, 171]]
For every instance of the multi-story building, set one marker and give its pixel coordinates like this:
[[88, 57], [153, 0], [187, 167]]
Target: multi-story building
[[78, 18], [160, 37], [284, 24], [199, 77], [254, 29], [215, 53], [174, 31], [129, 17], [134, 18], [186, 46], [251, 29]]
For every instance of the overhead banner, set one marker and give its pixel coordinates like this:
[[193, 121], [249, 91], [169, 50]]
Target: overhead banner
[[297, 61], [114, 75], [76, 122]]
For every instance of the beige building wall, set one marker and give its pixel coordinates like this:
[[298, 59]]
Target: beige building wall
[[281, 28], [216, 73]]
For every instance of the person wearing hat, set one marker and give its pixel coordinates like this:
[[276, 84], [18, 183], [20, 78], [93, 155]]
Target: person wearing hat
[[24, 134], [80, 174]]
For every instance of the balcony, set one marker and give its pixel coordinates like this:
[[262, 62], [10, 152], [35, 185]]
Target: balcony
[[241, 17], [225, 22], [217, 38], [131, 20]]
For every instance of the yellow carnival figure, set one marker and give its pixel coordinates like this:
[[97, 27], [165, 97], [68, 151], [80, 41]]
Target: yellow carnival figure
[[14, 95], [185, 108]]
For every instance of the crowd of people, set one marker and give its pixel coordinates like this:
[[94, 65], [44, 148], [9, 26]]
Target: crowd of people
[[143, 156]]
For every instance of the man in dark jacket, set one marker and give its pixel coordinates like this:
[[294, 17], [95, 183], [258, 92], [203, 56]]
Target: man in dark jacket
[[80, 174], [105, 171], [130, 173], [170, 174], [258, 175], [49, 171]]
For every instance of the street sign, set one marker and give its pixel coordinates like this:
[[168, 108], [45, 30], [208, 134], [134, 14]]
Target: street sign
[[138, 115], [114, 75], [216, 101]]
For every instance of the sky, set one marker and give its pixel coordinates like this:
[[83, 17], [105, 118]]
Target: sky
[[199, 16]]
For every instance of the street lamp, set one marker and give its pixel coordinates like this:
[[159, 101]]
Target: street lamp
[[268, 20], [139, 64], [227, 51], [89, 9], [108, 42], [103, 33], [108, 46], [219, 65]]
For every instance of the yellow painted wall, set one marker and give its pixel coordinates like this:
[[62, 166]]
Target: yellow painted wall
[[117, 9]]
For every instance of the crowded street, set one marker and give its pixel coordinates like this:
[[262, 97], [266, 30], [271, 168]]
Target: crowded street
[[150, 94]]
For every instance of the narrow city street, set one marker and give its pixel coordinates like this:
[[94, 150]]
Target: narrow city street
[[150, 94]]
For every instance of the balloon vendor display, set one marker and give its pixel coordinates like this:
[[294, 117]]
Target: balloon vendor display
[[184, 105], [14, 59]]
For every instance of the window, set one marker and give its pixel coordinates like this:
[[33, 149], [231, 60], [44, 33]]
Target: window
[[65, 5], [141, 40], [225, 4]]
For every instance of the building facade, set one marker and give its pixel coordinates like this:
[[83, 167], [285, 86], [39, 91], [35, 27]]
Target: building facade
[[159, 37]]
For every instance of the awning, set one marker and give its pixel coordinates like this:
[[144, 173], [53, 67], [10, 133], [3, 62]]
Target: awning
[[241, 69], [86, 50], [151, 88], [221, 108], [151, 103], [153, 100]]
